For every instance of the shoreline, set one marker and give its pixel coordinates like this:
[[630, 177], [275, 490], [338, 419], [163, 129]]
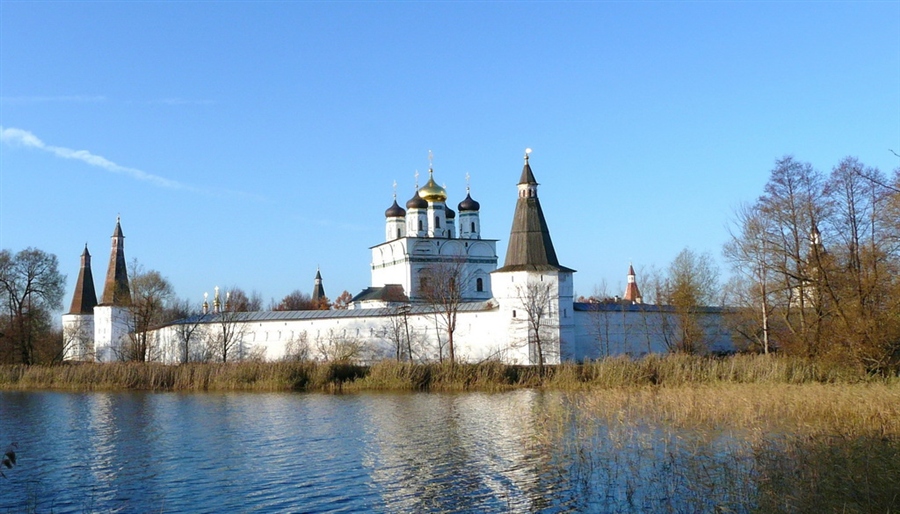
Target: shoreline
[[659, 371]]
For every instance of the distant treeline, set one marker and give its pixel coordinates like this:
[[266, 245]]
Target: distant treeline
[[655, 370]]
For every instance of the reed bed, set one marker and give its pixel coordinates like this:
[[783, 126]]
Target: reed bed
[[663, 371], [731, 447]]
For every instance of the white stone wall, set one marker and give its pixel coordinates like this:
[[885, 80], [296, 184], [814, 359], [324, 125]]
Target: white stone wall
[[477, 337], [638, 330], [111, 328], [78, 337], [491, 333]]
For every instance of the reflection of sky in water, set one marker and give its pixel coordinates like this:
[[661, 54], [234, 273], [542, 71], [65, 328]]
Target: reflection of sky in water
[[412, 452], [455, 452]]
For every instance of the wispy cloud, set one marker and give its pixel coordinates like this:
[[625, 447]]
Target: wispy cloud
[[19, 137], [23, 138], [182, 101], [54, 99]]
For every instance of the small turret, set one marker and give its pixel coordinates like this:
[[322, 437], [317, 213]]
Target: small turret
[[632, 293]]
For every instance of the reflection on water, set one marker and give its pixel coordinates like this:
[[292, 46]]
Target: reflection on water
[[523, 451], [134, 452]]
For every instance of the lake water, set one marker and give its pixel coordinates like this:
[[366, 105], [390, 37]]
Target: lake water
[[521, 451]]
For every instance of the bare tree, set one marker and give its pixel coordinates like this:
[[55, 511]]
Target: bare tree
[[748, 250], [298, 348], [150, 297], [189, 331], [339, 347], [534, 297], [442, 287], [32, 288], [225, 337], [78, 341], [396, 329]]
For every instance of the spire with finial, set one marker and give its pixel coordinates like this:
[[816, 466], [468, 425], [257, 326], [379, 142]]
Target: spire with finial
[[530, 247], [205, 303], [217, 303], [85, 298], [116, 291], [318, 289]]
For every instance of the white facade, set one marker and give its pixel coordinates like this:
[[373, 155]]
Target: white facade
[[406, 261], [78, 337], [522, 313], [112, 326]]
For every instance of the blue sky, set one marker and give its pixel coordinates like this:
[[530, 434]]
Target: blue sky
[[246, 143]]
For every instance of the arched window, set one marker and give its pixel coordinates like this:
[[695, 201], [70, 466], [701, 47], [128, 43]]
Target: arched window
[[398, 233], [437, 222], [479, 285], [420, 225]]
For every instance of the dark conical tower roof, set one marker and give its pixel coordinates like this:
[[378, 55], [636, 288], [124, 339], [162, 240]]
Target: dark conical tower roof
[[318, 288], [85, 298], [115, 290], [530, 247]]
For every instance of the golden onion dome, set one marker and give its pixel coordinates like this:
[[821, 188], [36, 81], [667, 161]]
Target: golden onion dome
[[431, 192]]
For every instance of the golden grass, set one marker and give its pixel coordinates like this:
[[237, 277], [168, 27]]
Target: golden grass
[[664, 371], [762, 447]]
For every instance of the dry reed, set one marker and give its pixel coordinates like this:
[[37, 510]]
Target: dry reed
[[665, 371]]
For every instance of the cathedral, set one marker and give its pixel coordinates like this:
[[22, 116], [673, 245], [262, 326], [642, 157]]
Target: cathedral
[[436, 293]]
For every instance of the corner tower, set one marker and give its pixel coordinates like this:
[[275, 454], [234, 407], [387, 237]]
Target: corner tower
[[112, 320], [78, 323], [535, 292], [115, 290]]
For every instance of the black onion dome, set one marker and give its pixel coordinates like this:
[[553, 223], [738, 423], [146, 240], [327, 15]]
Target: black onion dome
[[416, 202], [449, 213], [468, 204], [395, 211]]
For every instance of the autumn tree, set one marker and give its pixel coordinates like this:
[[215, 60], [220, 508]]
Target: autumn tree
[[820, 259], [342, 301], [236, 300], [32, 288], [300, 301], [691, 283]]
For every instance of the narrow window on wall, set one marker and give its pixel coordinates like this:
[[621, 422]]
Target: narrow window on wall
[[514, 313], [437, 222], [420, 225], [398, 233], [479, 285], [473, 226]]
